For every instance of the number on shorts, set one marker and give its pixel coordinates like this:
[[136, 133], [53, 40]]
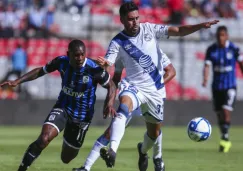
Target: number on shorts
[[158, 111]]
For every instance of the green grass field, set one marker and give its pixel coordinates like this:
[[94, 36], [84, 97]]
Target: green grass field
[[180, 153]]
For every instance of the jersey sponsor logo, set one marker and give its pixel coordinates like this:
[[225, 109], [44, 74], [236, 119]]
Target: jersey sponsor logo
[[223, 69], [85, 79], [70, 92], [229, 55], [145, 61], [148, 37]]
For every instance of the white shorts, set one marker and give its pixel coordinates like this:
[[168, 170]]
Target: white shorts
[[151, 104]]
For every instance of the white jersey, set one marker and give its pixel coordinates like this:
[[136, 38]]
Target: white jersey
[[165, 62], [141, 56]]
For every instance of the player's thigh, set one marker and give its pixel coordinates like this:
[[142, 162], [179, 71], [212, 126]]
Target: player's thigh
[[229, 99], [153, 110], [73, 137], [129, 95], [218, 100], [57, 118]]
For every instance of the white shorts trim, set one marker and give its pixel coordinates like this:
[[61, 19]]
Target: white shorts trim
[[229, 108], [52, 124], [76, 148]]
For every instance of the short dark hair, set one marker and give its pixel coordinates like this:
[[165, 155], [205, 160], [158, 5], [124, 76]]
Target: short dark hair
[[75, 44], [127, 7], [222, 28]]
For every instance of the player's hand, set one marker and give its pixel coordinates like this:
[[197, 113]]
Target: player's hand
[[102, 62], [210, 23], [9, 84], [109, 111], [204, 84]]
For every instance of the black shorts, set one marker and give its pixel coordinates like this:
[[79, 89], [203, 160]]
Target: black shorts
[[74, 133], [224, 99]]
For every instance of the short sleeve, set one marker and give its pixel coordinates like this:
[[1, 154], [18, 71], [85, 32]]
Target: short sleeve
[[208, 59], [102, 76], [237, 54], [159, 31], [165, 61], [52, 65], [112, 52]]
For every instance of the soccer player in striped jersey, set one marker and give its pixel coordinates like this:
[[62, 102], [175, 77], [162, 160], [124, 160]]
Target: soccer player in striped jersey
[[74, 108], [138, 48], [223, 56], [104, 139]]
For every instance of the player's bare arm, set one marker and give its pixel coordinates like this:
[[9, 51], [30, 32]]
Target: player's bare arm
[[241, 66], [170, 73], [189, 29], [108, 109], [32, 75], [206, 71]]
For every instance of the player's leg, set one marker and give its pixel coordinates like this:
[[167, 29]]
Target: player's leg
[[73, 138], [94, 154], [53, 124], [101, 142], [153, 113], [225, 119], [117, 130]]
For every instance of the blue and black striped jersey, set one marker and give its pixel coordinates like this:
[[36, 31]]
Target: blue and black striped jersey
[[223, 61], [77, 95]]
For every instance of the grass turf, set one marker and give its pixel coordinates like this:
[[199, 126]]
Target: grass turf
[[179, 152]]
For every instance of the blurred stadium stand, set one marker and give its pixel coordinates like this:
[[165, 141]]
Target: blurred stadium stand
[[96, 22]]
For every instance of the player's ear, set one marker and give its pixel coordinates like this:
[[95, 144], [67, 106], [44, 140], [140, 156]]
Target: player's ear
[[122, 20]]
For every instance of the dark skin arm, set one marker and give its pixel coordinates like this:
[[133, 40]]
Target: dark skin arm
[[108, 109], [32, 75], [170, 73], [206, 71], [241, 66], [189, 29]]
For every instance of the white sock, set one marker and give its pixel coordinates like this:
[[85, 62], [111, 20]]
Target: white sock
[[157, 148], [117, 131], [93, 155], [147, 143]]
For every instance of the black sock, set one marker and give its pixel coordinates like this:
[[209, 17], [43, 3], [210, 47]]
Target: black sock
[[32, 152], [224, 128]]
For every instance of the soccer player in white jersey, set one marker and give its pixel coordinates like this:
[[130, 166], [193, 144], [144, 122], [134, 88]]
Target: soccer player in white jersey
[[168, 74], [137, 47]]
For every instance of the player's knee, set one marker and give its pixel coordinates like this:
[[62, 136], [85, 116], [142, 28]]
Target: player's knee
[[67, 158], [153, 134], [123, 109], [44, 140]]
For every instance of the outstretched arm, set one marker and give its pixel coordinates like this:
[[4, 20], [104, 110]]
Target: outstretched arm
[[189, 29], [170, 73], [32, 75]]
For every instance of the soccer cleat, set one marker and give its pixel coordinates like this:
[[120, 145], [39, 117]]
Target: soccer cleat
[[80, 169], [109, 156], [143, 159], [159, 165], [224, 146]]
